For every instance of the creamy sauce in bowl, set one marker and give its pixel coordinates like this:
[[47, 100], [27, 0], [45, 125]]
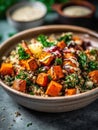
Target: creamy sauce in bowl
[[76, 11], [28, 13]]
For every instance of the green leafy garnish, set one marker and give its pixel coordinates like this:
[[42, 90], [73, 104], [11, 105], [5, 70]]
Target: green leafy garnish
[[31, 93], [71, 80], [92, 65], [66, 38], [29, 124], [43, 39], [93, 52], [22, 54], [49, 77], [82, 59], [22, 75], [58, 61]]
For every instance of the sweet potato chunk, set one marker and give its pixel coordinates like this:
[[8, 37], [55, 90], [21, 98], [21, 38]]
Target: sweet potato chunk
[[26, 48], [77, 40], [68, 55], [29, 64], [6, 69], [46, 58], [61, 45], [42, 79], [71, 65], [56, 72], [53, 89], [94, 76], [70, 91], [19, 85]]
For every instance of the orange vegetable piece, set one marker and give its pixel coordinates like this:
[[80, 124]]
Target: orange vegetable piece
[[6, 69], [70, 63], [19, 85], [68, 55], [70, 91], [61, 45], [77, 39], [46, 58], [42, 79], [53, 89], [56, 72], [26, 48], [29, 64], [94, 76]]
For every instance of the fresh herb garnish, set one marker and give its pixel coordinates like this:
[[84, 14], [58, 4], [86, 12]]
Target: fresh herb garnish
[[22, 54], [49, 77], [71, 80], [82, 59], [92, 65], [22, 75], [29, 124], [66, 38], [93, 52], [43, 39], [58, 61]]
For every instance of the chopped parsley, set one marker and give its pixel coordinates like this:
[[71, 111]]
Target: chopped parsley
[[22, 54], [43, 40], [58, 61], [82, 59], [92, 65], [66, 38], [24, 76], [29, 124], [71, 80]]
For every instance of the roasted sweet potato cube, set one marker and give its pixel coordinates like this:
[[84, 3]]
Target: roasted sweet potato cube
[[46, 58], [61, 44], [68, 55], [6, 69], [29, 64], [32, 64], [53, 89], [26, 48], [71, 65], [77, 40], [70, 91], [56, 72], [19, 85], [42, 79], [94, 76]]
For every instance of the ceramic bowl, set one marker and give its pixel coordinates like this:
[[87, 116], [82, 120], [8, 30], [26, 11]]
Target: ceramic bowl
[[76, 20], [49, 104], [23, 25]]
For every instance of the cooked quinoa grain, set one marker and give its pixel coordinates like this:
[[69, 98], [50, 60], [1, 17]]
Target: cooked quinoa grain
[[55, 65]]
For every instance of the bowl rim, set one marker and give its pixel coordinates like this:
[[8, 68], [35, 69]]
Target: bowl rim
[[8, 12], [58, 8], [59, 98]]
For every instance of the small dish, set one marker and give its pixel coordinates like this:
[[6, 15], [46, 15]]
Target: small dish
[[71, 18], [27, 20]]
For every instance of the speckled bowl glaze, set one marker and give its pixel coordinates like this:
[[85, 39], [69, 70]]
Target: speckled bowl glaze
[[49, 104]]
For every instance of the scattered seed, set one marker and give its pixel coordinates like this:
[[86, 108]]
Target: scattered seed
[[17, 114]]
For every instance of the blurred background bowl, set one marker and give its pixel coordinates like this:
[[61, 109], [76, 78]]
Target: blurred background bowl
[[22, 24], [74, 19]]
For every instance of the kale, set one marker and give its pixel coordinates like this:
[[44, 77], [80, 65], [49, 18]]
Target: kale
[[58, 61], [22, 54], [24, 76], [92, 65], [66, 38], [43, 39], [82, 59], [71, 80]]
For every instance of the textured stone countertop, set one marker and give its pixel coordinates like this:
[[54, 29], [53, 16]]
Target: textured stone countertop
[[16, 117]]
